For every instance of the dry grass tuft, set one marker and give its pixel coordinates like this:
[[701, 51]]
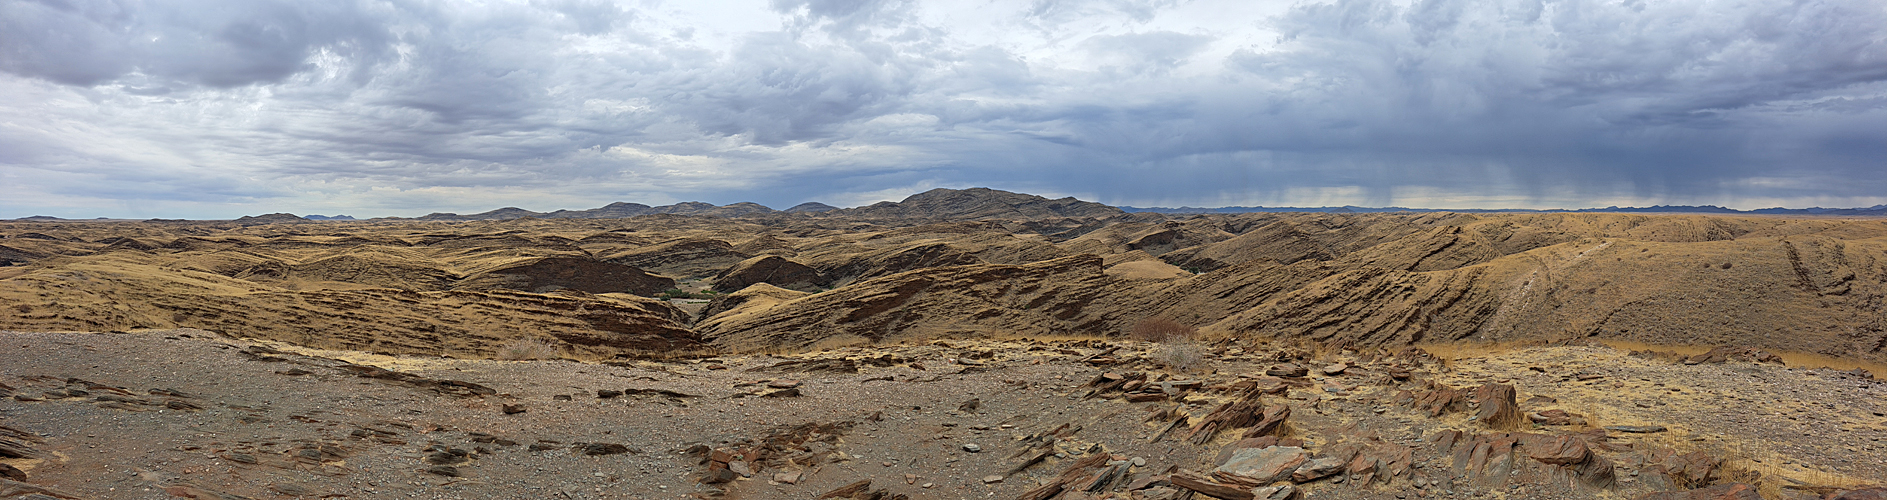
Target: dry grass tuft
[[1179, 350], [528, 350], [1182, 355], [1159, 329]]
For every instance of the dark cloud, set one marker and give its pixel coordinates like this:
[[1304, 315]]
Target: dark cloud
[[358, 106], [218, 43]]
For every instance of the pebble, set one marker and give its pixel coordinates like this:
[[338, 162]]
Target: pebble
[[972, 448]]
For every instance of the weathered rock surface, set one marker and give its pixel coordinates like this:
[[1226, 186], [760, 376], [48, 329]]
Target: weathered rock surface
[[569, 273], [960, 301], [683, 258], [770, 269], [1255, 467]]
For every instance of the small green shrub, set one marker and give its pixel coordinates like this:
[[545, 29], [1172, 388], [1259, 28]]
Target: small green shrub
[[676, 293]]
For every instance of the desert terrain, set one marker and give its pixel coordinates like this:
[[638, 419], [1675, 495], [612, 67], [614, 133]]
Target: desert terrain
[[957, 344]]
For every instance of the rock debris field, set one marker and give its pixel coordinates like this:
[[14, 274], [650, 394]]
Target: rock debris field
[[181, 413]]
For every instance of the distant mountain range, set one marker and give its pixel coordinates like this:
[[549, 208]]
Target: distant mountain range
[[973, 203], [985, 203]]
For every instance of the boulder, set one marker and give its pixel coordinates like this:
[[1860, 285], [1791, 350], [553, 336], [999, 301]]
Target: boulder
[[1499, 410], [1287, 370], [1556, 417], [1208, 487], [1564, 450], [1318, 468], [1254, 467]]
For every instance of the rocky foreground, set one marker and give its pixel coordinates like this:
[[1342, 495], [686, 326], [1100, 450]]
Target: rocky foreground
[[191, 414]]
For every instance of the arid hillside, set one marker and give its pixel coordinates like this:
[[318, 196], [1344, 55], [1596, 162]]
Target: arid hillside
[[958, 264]]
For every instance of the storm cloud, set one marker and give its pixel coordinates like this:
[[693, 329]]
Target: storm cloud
[[218, 108]]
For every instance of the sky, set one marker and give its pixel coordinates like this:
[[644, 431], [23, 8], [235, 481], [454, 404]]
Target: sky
[[212, 109]]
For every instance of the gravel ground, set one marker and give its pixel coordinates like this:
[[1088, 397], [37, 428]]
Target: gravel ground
[[177, 413]]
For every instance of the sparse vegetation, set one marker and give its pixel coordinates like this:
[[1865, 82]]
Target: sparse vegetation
[[1160, 329], [677, 293], [1178, 349], [1182, 355], [528, 350]]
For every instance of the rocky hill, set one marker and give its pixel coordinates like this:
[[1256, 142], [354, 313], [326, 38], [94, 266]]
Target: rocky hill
[[976, 204], [1811, 284], [1286, 355]]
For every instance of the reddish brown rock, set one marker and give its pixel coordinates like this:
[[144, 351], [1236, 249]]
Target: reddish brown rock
[[1556, 417], [1272, 422], [1287, 370], [9, 472], [1499, 410], [1079, 474], [1437, 399], [1318, 468], [1242, 411], [1144, 397], [847, 491], [1208, 487], [1564, 450]]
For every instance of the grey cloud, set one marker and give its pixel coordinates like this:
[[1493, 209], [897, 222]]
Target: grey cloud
[[218, 43], [1056, 12], [580, 102], [846, 18], [592, 17], [1145, 53]]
